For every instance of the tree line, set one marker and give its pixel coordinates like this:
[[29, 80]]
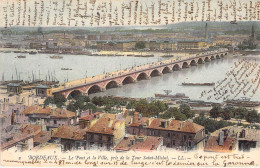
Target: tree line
[[226, 113]]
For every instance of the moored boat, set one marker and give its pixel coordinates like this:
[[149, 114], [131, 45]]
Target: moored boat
[[198, 84]]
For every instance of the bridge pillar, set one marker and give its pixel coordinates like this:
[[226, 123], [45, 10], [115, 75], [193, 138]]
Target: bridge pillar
[[149, 77], [120, 85], [170, 71], [160, 74], [103, 89]]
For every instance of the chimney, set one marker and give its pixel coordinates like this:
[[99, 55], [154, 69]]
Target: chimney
[[181, 125], [153, 146], [90, 111], [135, 118], [221, 138], [132, 142]]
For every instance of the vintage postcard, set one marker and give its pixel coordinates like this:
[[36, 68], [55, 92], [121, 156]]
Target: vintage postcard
[[130, 83]]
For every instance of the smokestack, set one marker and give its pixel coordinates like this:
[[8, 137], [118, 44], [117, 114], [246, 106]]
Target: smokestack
[[206, 31], [253, 32]]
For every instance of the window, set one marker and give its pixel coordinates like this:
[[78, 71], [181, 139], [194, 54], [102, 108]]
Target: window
[[55, 121], [100, 137], [184, 137], [134, 131], [169, 135], [109, 139], [91, 136], [189, 144], [100, 145], [173, 142]]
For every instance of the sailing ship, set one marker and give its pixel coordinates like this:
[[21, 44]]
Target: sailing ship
[[198, 84], [21, 56]]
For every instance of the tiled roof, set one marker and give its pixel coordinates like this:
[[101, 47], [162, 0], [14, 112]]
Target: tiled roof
[[142, 121], [104, 126], [27, 132], [91, 116], [57, 113], [176, 125], [213, 146], [147, 143], [109, 115], [70, 132], [37, 110], [62, 113], [42, 137]]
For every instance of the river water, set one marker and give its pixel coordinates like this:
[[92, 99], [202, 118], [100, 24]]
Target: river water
[[82, 66]]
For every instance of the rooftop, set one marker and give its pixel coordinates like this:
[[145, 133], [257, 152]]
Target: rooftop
[[212, 145], [54, 113], [42, 87], [70, 132], [91, 116], [175, 125], [139, 143], [104, 126]]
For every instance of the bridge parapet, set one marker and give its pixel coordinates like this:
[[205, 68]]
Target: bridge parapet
[[133, 75]]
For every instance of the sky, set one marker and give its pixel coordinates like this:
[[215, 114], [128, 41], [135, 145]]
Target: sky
[[102, 13]]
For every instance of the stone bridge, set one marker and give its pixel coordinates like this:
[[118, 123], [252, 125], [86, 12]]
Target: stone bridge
[[135, 76]]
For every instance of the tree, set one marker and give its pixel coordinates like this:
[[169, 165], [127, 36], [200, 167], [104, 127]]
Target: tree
[[252, 116], [185, 109], [227, 113], [48, 101], [215, 112], [98, 101], [153, 110], [240, 113], [140, 45], [59, 100], [72, 107]]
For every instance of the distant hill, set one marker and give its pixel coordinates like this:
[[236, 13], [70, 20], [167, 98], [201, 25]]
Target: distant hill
[[244, 27]]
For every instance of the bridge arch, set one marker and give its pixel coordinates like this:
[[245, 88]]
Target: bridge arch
[[193, 63], [206, 59], [221, 55], [176, 67], [166, 70], [128, 80], [142, 76], [217, 56], [200, 61], [154, 73], [212, 57], [112, 84], [94, 89], [74, 93], [185, 65]]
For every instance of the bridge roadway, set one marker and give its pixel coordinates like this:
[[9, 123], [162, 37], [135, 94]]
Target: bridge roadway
[[116, 79]]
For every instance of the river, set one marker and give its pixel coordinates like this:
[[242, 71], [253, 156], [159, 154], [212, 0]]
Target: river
[[82, 66]]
